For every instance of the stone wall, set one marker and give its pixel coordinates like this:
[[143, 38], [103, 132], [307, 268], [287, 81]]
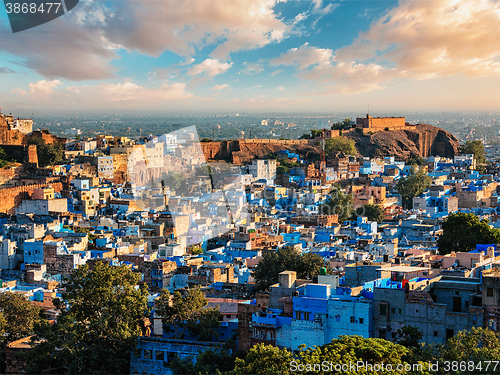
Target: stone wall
[[10, 198]]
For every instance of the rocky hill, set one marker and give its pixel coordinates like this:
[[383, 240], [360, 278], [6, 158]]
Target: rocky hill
[[424, 140], [420, 140]]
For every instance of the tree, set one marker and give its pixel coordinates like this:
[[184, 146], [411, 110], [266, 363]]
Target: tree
[[339, 203], [477, 345], [342, 125], [351, 349], [412, 186], [101, 315], [18, 318], [48, 154], [188, 313], [286, 259], [373, 212], [475, 148], [313, 134], [210, 361], [463, 231], [340, 144], [264, 359], [409, 336]]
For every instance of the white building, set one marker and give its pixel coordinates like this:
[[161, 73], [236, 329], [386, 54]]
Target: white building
[[263, 169]]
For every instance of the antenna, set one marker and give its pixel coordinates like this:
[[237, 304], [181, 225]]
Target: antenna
[[368, 109]]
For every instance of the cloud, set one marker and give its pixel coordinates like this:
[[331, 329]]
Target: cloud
[[252, 68], [281, 88], [415, 40], [43, 87], [425, 39], [5, 70], [209, 67], [105, 95], [220, 87], [83, 44], [304, 56]]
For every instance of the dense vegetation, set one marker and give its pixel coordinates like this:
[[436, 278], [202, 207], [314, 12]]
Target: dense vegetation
[[48, 154], [286, 259], [463, 231], [414, 185], [339, 203]]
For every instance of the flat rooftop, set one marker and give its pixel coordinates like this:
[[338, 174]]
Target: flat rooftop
[[404, 269]]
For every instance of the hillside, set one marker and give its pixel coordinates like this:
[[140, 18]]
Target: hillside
[[422, 140]]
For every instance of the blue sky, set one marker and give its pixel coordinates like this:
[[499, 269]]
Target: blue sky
[[256, 55]]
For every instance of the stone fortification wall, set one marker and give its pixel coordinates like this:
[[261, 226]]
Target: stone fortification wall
[[10, 198]]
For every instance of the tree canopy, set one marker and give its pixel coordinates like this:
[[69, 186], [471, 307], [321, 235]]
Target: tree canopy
[[264, 359], [463, 231], [313, 134], [286, 259], [339, 203], [48, 154], [188, 313], [340, 144], [414, 185], [100, 319], [372, 212], [18, 318], [475, 148], [342, 125]]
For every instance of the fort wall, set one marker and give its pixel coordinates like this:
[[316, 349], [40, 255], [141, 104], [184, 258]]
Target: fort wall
[[10, 198]]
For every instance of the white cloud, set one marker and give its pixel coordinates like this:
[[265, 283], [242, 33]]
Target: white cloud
[[414, 40], [426, 39], [105, 95], [304, 56], [43, 87], [220, 87], [252, 68], [82, 44], [209, 67]]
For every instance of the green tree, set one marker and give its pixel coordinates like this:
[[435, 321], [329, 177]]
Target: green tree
[[373, 212], [475, 148], [188, 313], [412, 186], [48, 154], [18, 318], [313, 134], [477, 345], [342, 125], [463, 231], [339, 203], [210, 361], [286, 259], [416, 160], [351, 349], [91, 236], [264, 359], [175, 181], [100, 319], [409, 336], [340, 144]]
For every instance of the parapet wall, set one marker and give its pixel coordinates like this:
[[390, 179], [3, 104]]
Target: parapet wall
[[10, 198]]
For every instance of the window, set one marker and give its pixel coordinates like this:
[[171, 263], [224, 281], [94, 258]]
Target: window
[[435, 333], [337, 318], [393, 310], [489, 292], [383, 309], [360, 320], [160, 355], [297, 315], [228, 316], [306, 316], [400, 311], [148, 354], [466, 304], [353, 319]]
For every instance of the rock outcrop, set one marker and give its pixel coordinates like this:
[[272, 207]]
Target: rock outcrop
[[424, 140], [421, 140]]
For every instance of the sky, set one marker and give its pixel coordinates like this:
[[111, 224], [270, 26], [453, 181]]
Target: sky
[[231, 56]]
